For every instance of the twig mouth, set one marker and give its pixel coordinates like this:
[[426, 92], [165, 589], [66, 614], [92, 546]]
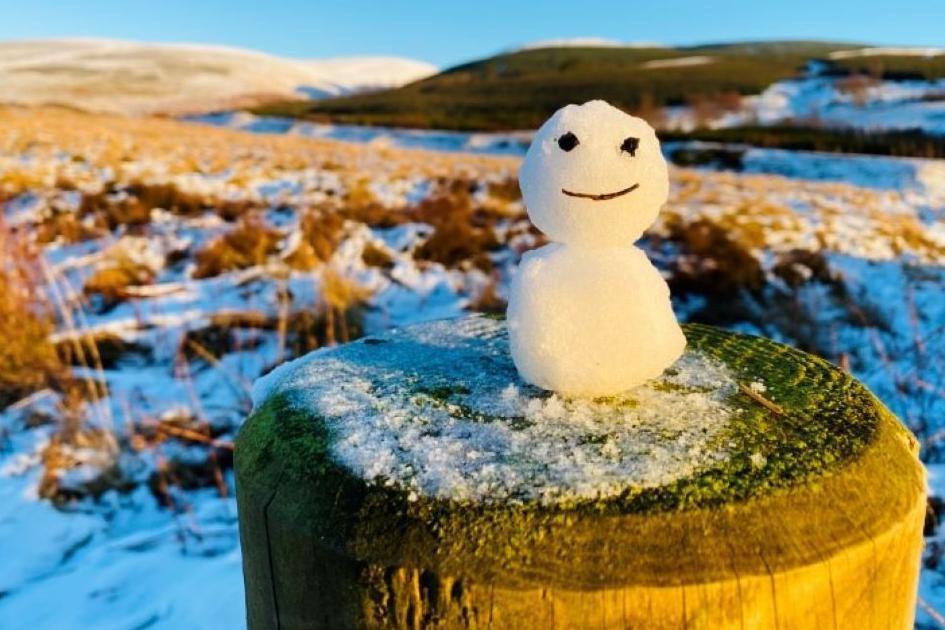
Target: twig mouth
[[603, 196]]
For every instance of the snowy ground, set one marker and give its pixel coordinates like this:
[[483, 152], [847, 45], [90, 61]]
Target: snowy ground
[[841, 256], [819, 99]]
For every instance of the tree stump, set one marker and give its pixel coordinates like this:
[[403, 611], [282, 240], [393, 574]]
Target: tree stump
[[411, 480]]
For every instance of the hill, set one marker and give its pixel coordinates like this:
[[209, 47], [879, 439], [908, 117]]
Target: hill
[[520, 88], [130, 77]]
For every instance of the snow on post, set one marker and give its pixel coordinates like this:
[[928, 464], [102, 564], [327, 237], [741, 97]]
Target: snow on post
[[413, 479]]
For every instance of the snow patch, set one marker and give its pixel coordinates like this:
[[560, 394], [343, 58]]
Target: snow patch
[[888, 51], [679, 62], [439, 410]]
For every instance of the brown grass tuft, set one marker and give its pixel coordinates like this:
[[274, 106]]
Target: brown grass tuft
[[322, 232], [463, 235], [342, 301], [360, 205], [28, 360], [66, 227], [249, 244], [110, 282], [375, 255], [93, 448], [712, 261], [488, 300]]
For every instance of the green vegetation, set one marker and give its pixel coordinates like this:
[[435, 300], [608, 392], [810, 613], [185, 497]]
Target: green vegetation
[[518, 90], [893, 67], [906, 143]]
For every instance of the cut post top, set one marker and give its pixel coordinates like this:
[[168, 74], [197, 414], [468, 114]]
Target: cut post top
[[422, 446]]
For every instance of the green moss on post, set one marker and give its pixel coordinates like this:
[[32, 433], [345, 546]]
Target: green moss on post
[[812, 518]]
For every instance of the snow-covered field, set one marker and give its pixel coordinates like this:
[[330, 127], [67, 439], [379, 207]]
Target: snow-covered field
[[822, 100], [198, 258], [130, 77]]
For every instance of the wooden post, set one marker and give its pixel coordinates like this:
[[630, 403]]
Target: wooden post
[[807, 514]]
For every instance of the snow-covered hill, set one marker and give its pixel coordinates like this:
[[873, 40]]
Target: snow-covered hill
[[139, 78]]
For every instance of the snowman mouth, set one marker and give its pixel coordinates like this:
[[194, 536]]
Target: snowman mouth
[[602, 196]]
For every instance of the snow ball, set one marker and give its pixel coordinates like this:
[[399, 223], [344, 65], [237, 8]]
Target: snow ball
[[594, 176]]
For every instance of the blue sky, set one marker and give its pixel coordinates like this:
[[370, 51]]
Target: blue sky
[[447, 31]]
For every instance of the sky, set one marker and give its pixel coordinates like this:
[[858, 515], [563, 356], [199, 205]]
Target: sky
[[446, 32]]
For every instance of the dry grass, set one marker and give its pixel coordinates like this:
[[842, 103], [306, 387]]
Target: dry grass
[[713, 260], [336, 319], [321, 233], [463, 235], [375, 255], [111, 349], [28, 360], [342, 302], [94, 448], [131, 204], [505, 189], [249, 244], [488, 300], [362, 206], [109, 284], [65, 227], [117, 143]]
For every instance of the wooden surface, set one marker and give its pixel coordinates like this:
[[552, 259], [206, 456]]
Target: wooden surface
[[827, 534]]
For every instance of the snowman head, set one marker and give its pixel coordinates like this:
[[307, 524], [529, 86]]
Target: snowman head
[[594, 176]]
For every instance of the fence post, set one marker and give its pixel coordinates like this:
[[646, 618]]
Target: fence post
[[809, 516]]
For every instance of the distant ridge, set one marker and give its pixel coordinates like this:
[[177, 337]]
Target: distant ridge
[[142, 78], [585, 42]]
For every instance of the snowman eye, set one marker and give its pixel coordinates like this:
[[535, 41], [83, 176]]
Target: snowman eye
[[630, 145], [568, 141]]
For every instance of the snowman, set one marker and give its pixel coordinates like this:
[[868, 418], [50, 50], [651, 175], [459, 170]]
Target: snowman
[[589, 315]]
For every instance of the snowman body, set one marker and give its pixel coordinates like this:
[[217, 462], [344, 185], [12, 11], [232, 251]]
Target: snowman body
[[589, 315], [591, 321]]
